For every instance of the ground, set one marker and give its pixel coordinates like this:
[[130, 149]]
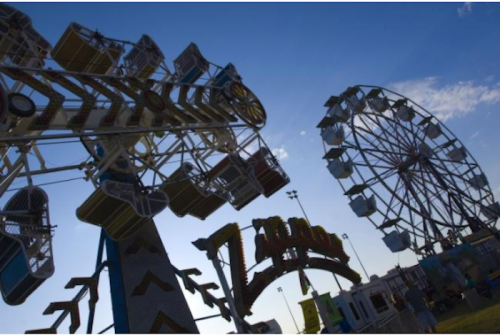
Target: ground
[[463, 320]]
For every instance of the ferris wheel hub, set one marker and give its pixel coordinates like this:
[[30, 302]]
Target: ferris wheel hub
[[405, 165]]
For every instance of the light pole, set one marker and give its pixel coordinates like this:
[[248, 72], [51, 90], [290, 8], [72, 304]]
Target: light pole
[[281, 290], [345, 237], [294, 195]]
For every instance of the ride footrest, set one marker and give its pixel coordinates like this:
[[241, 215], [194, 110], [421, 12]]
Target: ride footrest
[[121, 209], [188, 195]]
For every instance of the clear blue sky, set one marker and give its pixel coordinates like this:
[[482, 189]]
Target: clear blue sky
[[293, 56]]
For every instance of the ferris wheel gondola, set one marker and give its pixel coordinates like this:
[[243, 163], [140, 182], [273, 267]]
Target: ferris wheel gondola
[[404, 170]]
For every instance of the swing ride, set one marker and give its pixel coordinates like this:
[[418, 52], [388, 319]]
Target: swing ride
[[185, 137]]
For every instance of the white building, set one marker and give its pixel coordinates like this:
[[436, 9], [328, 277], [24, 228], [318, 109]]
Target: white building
[[365, 304]]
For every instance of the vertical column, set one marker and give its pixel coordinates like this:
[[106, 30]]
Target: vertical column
[[145, 293]]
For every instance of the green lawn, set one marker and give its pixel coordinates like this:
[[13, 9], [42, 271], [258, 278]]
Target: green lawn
[[463, 320]]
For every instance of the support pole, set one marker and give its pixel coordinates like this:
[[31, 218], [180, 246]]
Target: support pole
[[289, 310], [322, 312], [345, 237], [227, 294], [100, 251]]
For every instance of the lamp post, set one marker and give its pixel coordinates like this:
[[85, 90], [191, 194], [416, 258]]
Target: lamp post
[[294, 195], [345, 237], [281, 290]]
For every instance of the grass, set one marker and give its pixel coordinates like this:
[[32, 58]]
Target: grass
[[464, 320]]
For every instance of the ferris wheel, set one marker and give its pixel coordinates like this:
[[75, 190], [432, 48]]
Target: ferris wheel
[[405, 170], [184, 137]]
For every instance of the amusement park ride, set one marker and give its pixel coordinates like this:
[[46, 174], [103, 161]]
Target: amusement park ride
[[187, 139], [405, 171]]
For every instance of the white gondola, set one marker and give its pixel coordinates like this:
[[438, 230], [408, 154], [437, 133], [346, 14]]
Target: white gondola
[[340, 114], [492, 211], [405, 113], [144, 58], [190, 65], [397, 242], [363, 207], [333, 135], [433, 131], [340, 169], [425, 150], [457, 154], [478, 181], [355, 104], [379, 104]]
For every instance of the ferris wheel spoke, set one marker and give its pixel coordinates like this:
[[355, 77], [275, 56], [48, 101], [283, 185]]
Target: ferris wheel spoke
[[447, 206], [415, 136], [381, 177], [396, 190], [378, 159], [388, 135], [426, 216], [398, 129], [361, 163], [410, 215], [390, 154], [454, 200], [406, 202], [460, 190], [382, 140], [372, 153], [368, 129], [452, 185]]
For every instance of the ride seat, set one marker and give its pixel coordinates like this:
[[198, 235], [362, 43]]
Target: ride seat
[[190, 194], [433, 131], [478, 181], [20, 43], [341, 114], [333, 136], [355, 104], [237, 177], [25, 245], [81, 50], [492, 212], [340, 169], [404, 112], [363, 207], [190, 65], [397, 242], [457, 154], [121, 209], [227, 74], [379, 104], [268, 171], [144, 58]]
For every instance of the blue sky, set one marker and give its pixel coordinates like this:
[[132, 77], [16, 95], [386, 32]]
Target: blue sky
[[293, 56]]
